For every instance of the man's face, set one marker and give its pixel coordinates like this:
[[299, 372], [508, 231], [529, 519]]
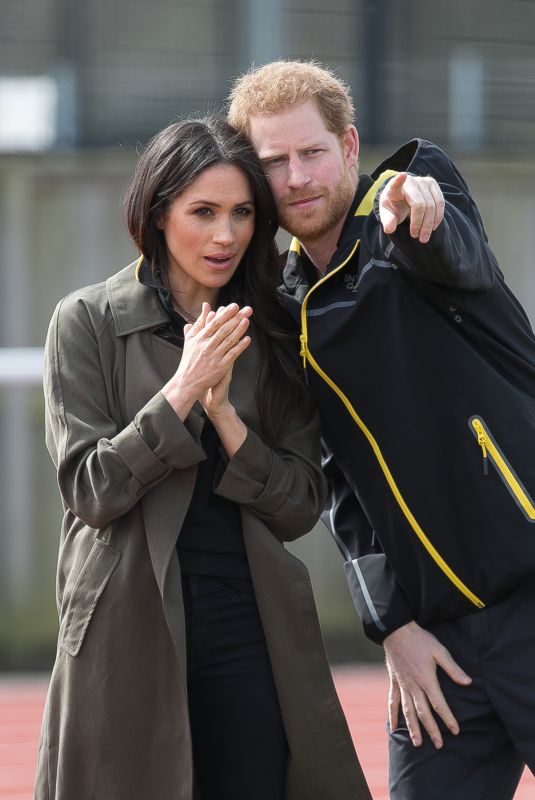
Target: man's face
[[313, 172]]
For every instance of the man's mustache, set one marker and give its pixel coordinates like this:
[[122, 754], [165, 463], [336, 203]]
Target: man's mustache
[[298, 197]]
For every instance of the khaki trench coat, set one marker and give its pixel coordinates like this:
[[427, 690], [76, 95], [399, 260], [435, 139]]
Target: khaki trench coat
[[115, 725]]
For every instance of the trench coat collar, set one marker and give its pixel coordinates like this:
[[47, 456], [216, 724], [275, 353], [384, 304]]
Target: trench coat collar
[[134, 307]]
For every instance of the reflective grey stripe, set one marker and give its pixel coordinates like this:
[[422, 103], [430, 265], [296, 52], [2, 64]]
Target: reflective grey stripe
[[339, 542], [365, 269], [373, 262], [371, 608], [316, 312], [389, 249], [358, 572]]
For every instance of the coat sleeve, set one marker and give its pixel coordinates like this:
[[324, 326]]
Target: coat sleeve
[[282, 484], [457, 254], [104, 470], [375, 591]]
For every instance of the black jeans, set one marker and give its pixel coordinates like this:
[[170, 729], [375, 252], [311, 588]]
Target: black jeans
[[239, 744], [496, 713]]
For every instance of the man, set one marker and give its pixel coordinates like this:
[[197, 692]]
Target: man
[[422, 363]]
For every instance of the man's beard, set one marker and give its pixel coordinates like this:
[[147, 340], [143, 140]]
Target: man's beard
[[310, 228]]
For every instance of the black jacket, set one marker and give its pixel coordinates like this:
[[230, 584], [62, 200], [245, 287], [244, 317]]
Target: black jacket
[[422, 363]]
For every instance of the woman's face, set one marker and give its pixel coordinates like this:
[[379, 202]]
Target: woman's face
[[208, 228]]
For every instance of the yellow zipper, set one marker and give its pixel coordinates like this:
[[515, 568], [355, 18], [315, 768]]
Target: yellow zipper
[[490, 449], [364, 209]]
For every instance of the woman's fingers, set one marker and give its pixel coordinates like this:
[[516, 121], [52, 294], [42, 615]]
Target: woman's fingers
[[233, 336], [224, 330], [226, 318], [205, 311], [218, 324], [212, 344], [232, 354]]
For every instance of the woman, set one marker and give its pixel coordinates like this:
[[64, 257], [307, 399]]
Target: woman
[[189, 654]]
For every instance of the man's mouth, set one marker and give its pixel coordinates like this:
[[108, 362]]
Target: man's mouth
[[304, 202]]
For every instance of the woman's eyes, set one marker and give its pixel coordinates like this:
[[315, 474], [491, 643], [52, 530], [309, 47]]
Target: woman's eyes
[[241, 211]]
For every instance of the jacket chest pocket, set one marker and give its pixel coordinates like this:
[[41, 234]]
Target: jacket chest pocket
[[90, 583], [492, 452]]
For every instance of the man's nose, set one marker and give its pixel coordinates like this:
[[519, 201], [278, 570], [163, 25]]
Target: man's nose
[[298, 176]]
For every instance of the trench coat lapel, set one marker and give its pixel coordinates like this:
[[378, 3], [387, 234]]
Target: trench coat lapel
[[138, 312], [164, 507]]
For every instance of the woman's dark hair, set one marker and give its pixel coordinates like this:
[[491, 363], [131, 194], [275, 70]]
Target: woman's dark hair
[[171, 162]]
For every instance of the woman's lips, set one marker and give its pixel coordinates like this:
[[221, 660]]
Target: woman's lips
[[220, 261]]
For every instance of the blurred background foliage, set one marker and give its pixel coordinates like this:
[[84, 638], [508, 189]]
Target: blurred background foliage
[[82, 85]]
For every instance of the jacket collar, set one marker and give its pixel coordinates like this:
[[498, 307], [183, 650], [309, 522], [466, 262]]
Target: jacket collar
[[352, 226], [133, 305], [299, 274]]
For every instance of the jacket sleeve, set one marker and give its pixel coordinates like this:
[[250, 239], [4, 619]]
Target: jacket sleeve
[[282, 484], [103, 470], [377, 595], [457, 254]]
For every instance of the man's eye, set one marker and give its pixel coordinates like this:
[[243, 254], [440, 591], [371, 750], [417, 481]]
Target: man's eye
[[313, 151], [274, 162]]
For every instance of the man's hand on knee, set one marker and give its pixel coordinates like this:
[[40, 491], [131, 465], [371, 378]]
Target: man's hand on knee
[[412, 657]]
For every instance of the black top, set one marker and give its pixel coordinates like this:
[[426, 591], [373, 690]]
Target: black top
[[211, 538]]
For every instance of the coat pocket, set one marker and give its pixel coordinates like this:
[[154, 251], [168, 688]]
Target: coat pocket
[[491, 452], [91, 582]]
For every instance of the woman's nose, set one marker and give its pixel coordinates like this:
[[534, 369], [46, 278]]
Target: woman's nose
[[224, 233]]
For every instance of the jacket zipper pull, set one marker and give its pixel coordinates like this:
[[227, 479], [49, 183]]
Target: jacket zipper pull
[[303, 352], [482, 442]]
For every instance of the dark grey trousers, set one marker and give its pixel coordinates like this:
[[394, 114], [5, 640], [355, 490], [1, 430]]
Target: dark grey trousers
[[496, 714]]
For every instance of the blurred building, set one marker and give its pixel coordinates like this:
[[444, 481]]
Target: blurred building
[[459, 72], [81, 84]]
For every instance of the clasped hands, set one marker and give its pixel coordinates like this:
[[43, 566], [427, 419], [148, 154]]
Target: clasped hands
[[211, 346]]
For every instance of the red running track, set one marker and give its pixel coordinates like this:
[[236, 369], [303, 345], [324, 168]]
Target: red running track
[[362, 692]]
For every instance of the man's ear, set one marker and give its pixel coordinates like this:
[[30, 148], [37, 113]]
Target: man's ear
[[350, 146]]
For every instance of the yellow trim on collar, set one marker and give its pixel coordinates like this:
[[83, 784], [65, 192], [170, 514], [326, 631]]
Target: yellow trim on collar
[[366, 204], [295, 246], [138, 267]]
